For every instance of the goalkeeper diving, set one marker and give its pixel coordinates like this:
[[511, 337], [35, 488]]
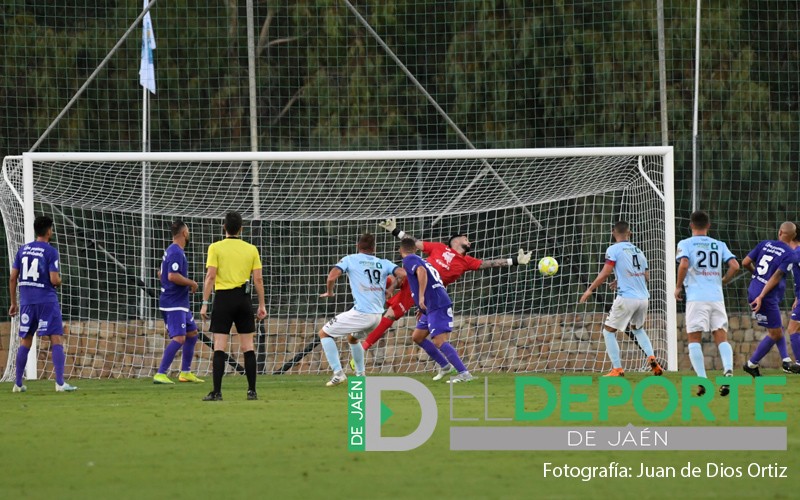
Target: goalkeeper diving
[[451, 261]]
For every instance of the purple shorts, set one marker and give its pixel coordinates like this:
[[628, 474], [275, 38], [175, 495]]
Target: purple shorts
[[437, 321], [41, 319], [178, 323], [769, 315], [796, 312]]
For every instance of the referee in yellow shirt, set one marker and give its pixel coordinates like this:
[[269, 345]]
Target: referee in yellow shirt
[[230, 264]]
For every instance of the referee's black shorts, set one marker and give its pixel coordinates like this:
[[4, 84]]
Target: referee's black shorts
[[232, 307]]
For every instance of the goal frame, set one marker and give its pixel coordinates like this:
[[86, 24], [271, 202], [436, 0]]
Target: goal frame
[[29, 159]]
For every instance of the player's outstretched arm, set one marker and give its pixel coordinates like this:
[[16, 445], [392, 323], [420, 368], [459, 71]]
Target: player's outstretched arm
[[12, 289], [774, 280], [748, 264], [391, 226], [733, 268], [422, 277], [258, 283], [683, 270], [601, 277], [521, 259], [208, 287], [333, 275]]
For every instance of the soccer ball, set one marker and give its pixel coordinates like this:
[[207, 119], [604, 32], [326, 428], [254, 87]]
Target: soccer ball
[[548, 266]]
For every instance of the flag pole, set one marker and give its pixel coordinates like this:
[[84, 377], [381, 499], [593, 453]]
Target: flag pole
[[147, 79]]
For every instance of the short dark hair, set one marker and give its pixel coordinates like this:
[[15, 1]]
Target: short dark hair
[[409, 245], [233, 222], [176, 227], [456, 235], [621, 227], [366, 242], [700, 220], [41, 225]]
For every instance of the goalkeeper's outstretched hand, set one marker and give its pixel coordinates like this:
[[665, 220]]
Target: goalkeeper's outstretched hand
[[389, 224], [523, 258]]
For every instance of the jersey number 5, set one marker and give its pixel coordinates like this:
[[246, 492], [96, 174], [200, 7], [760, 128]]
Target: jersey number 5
[[763, 264]]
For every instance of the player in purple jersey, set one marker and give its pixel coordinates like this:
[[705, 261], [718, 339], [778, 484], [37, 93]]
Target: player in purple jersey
[[435, 313], [35, 271], [174, 306], [769, 261], [793, 328]]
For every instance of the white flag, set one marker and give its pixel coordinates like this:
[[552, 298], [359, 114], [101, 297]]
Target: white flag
[[147, 72]]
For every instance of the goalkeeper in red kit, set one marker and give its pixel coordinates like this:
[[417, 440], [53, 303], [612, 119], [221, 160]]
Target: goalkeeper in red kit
[[450, 260]]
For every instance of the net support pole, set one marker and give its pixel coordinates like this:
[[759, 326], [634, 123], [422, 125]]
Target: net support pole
[[143, 250], [695, 114], [662, 73], [669, 252], [28, 215], [251, 79]]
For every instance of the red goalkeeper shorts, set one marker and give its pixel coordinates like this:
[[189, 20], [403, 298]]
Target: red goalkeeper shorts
[[402, 301]]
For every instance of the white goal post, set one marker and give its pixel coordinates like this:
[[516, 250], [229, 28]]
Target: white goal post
[[305, 210]]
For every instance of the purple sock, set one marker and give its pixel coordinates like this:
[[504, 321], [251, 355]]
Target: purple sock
[[782, 350], [59, 360], [188, 353], [433, 352], [795, 340], [452, 356], [169, 354], [763, 348], [22, 360]]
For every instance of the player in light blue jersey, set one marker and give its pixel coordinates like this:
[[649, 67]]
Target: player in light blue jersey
[[700, 270], [629, 265], [367, 275]]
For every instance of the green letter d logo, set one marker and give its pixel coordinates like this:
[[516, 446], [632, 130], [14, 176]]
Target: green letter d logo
[[429, 414]]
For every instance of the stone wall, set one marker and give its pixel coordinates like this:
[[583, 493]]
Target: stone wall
[[555, 343]]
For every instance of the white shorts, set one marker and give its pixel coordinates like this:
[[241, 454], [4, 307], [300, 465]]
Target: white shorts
[[627, 311], [706, 316], [352, 322]]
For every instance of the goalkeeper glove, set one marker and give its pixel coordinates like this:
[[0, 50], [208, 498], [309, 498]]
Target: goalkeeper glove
[[391, 226], [521, 258]]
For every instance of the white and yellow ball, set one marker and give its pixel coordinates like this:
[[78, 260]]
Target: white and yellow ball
[[548, 266]]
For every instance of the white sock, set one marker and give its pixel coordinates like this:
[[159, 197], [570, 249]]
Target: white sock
[[697, 359], [358, 356], [644, 341], [726, 354], [332, 354], [612, 348]]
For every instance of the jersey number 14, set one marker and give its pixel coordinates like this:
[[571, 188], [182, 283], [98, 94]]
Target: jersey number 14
[[30, 272]]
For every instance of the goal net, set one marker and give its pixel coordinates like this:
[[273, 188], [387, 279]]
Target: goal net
[[304, 211]]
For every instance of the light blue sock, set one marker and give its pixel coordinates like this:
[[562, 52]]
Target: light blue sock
[[644, 341], [726, 354], [697, 359], [612, 348], [358, 356], [332, 354]]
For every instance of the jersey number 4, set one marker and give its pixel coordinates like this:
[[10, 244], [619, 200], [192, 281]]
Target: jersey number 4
[[30, 272]]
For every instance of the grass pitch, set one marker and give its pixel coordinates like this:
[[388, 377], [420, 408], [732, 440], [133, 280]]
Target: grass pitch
[[131, 439]]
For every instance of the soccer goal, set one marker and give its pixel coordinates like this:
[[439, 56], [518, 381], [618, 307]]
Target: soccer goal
[[305, 210]]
